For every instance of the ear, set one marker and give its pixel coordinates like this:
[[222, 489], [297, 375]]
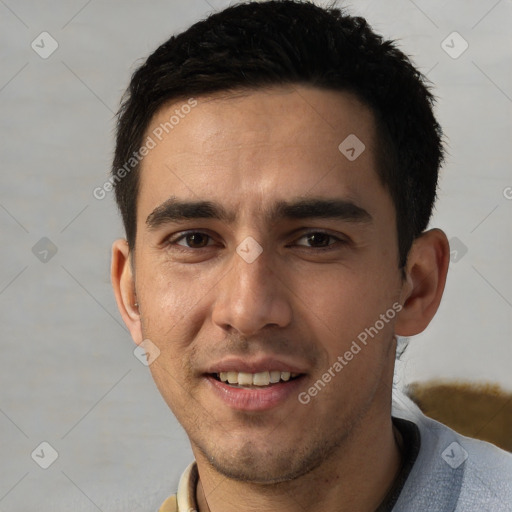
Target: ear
[[426, 269], [123, 282]]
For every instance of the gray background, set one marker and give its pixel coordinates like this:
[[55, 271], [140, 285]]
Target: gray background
[[68, 374]]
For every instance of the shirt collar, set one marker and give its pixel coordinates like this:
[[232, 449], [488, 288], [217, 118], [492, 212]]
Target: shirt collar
[[186, 495]]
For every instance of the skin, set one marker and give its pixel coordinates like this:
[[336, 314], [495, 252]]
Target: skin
[[201, 302]]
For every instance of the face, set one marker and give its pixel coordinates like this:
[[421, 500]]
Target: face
[[293, 257]]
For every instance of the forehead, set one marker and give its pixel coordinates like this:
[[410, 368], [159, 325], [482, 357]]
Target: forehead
[[259, 145]]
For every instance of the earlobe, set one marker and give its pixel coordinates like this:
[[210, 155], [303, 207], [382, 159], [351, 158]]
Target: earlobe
[[427, 267], [123, 283]]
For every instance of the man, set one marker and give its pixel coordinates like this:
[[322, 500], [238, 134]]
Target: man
[[276, 167]]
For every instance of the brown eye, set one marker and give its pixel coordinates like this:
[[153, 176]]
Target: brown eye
[[191, 239], [320, 240], [197, 239]]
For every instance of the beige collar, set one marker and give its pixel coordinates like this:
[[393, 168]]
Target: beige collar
[[185, 499]]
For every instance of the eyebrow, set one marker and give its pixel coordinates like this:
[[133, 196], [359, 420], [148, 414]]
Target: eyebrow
[[175, 210]]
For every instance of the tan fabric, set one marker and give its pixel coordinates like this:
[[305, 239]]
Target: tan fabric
[[185, 499], [169, 505]]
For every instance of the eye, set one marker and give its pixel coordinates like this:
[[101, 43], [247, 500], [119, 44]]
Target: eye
[[320, 240], [192, 239]]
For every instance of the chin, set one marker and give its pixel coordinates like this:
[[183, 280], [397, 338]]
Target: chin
[[268, 465]]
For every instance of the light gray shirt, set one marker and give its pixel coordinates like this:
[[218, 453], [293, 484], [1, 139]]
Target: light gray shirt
[[452, 473]]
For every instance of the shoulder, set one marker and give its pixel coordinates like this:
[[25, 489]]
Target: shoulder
[[453, 472], [487, 476]]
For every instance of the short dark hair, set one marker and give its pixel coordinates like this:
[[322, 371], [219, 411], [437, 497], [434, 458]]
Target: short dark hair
[[254, 45]]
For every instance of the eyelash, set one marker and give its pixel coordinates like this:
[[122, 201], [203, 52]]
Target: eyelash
[[173, 240]]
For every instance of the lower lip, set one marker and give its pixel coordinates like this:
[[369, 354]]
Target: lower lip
[[244, 399]]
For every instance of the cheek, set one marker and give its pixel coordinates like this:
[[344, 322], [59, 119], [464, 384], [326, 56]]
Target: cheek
[[348, 308], [346, 301], [168, 295], [176, 305], [166, 308]]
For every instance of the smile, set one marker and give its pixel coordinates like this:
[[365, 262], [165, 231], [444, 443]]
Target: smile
[[255, 392], [245, 379]]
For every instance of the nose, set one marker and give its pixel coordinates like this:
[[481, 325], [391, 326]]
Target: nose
[[252, 296]]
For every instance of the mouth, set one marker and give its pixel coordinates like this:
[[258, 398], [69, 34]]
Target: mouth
[[257, 380], [255, 392]]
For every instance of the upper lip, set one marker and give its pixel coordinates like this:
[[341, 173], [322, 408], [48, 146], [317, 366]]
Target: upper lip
[[261, 364]]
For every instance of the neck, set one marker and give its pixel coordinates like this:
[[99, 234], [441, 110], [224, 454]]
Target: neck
[[357, 476]]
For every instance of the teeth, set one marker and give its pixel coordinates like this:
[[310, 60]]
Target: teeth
[[275, 376], [244, 379], [261, 379], [256, 379]]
